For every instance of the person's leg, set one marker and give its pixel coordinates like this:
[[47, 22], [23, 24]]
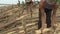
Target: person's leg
[[39, 22], [27, 7], [48, 17]]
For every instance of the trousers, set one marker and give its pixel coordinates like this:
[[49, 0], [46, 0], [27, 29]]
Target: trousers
[[48, 18]]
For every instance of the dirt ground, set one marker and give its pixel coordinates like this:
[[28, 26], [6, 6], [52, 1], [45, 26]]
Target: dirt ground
[[15, 18]]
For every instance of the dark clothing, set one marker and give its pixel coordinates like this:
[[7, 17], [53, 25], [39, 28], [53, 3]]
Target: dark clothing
[[49, 6], [48, 18], [48, 10], [29, 2]]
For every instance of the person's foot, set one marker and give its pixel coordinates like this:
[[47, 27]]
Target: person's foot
[[45, 30], [48, 26]]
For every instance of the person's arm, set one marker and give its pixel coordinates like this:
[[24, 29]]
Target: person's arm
[[41, 7], [54, 14]]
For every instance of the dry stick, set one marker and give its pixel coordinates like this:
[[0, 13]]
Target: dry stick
[[24, 26]]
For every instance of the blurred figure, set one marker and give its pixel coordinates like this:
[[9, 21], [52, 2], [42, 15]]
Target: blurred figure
[[28, 2], [28, 5], [18, 3]]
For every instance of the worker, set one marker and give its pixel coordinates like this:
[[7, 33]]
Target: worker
[[47, 14]]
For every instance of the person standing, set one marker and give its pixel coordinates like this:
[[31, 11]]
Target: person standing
[[18, 3], [47, 13]]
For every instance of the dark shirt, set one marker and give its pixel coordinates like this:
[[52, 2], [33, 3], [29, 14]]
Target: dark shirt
[[47, 5]]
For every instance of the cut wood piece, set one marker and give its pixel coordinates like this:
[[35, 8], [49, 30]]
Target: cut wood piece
[[21, 31], [12, 29], [31, 24], [21, 17]]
